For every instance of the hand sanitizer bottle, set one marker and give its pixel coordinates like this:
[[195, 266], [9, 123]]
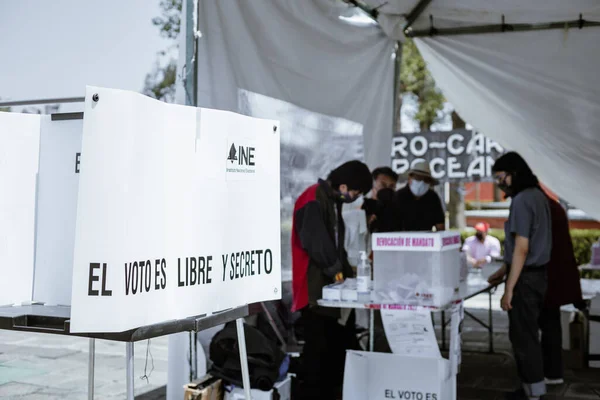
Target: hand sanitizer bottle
[[363, 278]]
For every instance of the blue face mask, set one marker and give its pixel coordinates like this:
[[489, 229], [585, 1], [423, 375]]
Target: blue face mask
[[418, 188]]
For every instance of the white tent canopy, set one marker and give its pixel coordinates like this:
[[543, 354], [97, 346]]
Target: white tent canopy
[[523, 73], [461, 16]]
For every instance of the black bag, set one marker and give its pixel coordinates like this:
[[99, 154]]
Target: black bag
[[264, 357]]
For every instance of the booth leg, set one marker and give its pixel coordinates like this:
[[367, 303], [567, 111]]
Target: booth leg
[[443, 330], [243, 357], [371, 330], [455, 347], [129, 357], [91, 366]]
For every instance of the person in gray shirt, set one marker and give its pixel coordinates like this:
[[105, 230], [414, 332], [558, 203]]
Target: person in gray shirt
[[528, 245]]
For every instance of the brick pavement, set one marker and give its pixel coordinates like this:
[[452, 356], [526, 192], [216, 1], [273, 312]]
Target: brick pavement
[[38, 366]]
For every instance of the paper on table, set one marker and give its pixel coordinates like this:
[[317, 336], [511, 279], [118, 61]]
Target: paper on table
[[410, 333]]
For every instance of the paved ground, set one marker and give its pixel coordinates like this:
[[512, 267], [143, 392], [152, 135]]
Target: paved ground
[[44, 367], [51, 367]]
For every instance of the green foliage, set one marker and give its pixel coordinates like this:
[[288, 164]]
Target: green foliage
[[160, 83], [582, 245], [4, 109], [416, 79], [169, 22]]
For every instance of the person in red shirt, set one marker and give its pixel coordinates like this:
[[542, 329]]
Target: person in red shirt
[[319, 259]]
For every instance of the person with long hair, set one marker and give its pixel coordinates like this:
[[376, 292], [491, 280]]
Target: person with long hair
[[527, 249]]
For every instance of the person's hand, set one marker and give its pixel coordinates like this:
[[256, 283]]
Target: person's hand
[[372, 219], [506, 302], [497, 276]]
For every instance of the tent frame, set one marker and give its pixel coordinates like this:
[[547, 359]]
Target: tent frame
[[502, 27], [499, 28]]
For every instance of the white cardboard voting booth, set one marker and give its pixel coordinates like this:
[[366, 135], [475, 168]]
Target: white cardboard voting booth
[[175, 203], [139, 215], [139, 209], [19, 151]]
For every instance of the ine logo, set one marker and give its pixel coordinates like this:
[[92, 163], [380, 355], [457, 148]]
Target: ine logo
[[246, 155], [232, 153], [241, 159]]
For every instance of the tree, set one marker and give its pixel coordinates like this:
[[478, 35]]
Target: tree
[[416, 80], [169, 21], [4, 109], [160, 82]]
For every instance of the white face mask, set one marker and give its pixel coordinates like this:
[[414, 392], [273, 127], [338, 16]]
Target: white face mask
[[419, 188]]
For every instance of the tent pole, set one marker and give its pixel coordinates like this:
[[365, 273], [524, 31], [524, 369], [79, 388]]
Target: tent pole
[[503, 28], [15, 103], [397, 89], [415, 13], [373, 13], [191, 52]]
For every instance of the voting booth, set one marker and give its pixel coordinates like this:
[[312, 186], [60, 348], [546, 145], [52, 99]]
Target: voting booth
[[114, 218]]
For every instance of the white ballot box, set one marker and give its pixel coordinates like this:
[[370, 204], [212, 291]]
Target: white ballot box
[[381, 376], [416, 267]]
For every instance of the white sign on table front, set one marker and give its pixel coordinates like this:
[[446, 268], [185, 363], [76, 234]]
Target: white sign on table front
[[19, 156], [382, 376], [178, 213]]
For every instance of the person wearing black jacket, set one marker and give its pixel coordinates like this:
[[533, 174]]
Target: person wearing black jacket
[[319, 259]]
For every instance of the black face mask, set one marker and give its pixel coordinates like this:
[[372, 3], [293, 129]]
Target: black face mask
[[505, 188], [347, 198], [479, 236], [385, 196]]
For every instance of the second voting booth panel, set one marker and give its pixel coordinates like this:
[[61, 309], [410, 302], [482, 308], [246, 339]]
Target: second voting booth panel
[[19, 157]]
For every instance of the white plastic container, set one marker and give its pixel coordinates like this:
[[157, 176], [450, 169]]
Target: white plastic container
[[332, 292], [416, 267], [363, 277], [349, 290]]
